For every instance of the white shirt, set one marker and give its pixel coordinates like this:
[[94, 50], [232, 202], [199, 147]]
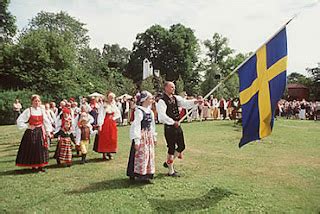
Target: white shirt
[[162, 108], [108, 108], [135, 128], [22, 121]]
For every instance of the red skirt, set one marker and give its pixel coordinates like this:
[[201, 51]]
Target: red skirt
[[108, 136]]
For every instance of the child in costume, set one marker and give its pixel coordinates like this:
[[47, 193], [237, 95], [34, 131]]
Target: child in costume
[[63, 152], [141, 164], [83, 132]]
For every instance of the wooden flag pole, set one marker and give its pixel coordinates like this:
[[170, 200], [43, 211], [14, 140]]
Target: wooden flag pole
[[235, 70]]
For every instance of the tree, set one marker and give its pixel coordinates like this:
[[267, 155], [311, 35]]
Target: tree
[[298, 78], [150, 45], [173, 52], [218, 49], [220, 63], [115, 56], [63, 24], [315, 85], [7, 22]]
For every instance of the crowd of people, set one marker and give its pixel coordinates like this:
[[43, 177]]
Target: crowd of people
[[303, 110], [74, 124]]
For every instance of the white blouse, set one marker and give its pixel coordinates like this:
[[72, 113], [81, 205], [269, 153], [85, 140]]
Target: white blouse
[[108, 108], [135, 129], [162, 108], [22, 121]]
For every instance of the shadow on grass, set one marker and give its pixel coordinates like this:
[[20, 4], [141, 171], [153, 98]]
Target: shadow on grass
[[8, 161], [206, 201], [18, 172], [9, 149], [119, 183]]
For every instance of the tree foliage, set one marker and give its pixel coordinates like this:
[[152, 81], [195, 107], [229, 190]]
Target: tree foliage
[[220, 63], [67, 27], [173, 52], [7, 22], [315, 82], [115, 56]]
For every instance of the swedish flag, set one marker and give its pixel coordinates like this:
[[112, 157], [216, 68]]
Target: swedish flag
[[262, 83]]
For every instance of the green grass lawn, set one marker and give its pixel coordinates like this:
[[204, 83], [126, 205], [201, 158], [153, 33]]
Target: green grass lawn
[[281, 174]]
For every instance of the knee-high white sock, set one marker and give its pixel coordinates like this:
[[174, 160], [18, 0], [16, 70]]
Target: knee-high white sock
[[171, 169]]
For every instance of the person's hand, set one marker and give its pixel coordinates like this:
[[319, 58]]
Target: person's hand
[[176, 124], [155, 142], [31, 127], [99, 128], [199, 101], [136, 147]]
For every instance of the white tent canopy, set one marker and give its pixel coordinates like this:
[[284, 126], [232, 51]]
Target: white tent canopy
[[95, 94], [125, 95]]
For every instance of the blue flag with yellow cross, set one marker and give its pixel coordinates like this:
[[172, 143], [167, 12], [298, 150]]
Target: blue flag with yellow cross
[[262, 83]]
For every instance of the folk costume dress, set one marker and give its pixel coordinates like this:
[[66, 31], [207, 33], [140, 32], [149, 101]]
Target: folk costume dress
[[63, 153], [106, 140], [141, 162], [33, 149]]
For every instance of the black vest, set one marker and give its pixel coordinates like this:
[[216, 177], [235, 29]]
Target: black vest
[[146, 121], [172, 107]]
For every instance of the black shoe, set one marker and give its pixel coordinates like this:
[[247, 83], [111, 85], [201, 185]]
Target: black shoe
[[165, 165], [175, 174], [83, 159]]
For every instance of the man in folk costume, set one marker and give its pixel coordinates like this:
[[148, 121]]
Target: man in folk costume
[[83, 132], [141, 164], [168, 114]]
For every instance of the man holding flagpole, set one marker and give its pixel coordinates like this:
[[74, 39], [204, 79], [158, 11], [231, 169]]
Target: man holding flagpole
[[168, 114]]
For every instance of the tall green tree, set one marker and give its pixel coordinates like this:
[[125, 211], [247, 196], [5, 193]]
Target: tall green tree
[[220, 62], [151, 45], [173, 52], [68, 27], [218, 49], [116, 56], [8, 27], [315, 85]]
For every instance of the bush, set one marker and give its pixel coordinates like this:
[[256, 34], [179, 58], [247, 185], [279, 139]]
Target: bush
[[7, 99]]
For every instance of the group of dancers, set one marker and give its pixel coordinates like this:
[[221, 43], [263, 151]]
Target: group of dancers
[[33, 149]]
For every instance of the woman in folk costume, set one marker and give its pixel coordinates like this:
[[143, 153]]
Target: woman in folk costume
[[141, 164], [106, 142], [33, 150], [83, 132], [63, 152]]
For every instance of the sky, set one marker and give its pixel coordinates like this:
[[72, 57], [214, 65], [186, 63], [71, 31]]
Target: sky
[[246, 23]]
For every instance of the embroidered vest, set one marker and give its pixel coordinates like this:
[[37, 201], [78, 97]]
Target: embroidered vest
[[172, 107], [85, 133], [146, 121]]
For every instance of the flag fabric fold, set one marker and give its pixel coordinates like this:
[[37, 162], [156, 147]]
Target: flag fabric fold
[[262, 83]]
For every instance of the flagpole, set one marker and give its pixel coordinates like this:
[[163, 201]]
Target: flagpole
[[235, 70]]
